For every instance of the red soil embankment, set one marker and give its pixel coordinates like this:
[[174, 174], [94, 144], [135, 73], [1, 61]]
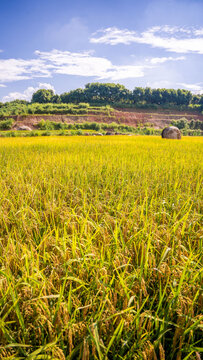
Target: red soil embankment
[[157, 119], [131, 117]]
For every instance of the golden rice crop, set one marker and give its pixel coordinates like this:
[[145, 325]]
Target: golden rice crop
[[100, 248]]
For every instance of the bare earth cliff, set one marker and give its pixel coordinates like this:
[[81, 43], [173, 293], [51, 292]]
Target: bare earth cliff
[[131, 117]]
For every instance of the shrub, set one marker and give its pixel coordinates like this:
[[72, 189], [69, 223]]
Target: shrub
[[42, 125], [33, 133], [84, 105], [147, 131], [46, 133], [45, 125], [62, 133], [70, 126], [196, 125], [180, 124], [6, 124], [95, 126], [58, 126], [79, 132]]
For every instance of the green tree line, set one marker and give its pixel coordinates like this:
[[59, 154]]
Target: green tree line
[[98, 93]]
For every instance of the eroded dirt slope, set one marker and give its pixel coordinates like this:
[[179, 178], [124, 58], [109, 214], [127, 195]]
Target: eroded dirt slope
[[129, 117]]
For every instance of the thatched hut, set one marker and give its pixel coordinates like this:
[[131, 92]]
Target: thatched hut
[[171, 132]]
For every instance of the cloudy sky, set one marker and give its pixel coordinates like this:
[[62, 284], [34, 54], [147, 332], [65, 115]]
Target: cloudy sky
[[64, 44]]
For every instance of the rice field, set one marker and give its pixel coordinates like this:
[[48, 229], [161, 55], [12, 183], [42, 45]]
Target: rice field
[[101, 248]]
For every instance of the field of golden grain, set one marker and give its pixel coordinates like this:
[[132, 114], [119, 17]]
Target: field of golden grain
[[100, 248]]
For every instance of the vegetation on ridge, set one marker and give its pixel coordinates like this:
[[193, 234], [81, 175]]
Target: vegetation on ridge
[[100, 95]]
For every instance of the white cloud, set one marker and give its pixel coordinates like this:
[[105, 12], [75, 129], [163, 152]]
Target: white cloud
[[159, 84], [27, 94], [73, 63], [2, 85], [114, 36], [66, 63], [198, 32], [195, 88], [171, 29], [191, 86], [161, 60], [174, 39], [85, 64], [20, 69], [123, 72]]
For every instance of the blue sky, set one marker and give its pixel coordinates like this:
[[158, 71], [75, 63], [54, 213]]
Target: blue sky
[[63, 44]]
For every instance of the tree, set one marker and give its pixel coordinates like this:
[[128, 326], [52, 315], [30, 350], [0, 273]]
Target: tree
[[171, 95], [196, 99], [148, 95], [106, 93], [43, 96], [74, 96], [56, 99], [201, 100], [183, 97], [138, 94], [157, 97]]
